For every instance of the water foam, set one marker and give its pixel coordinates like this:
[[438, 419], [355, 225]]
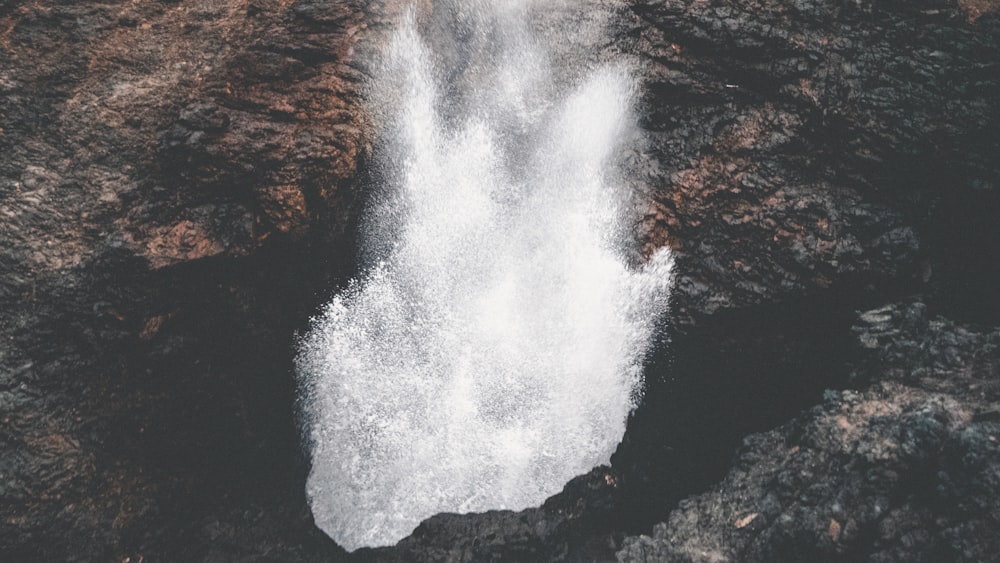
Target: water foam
[[493, 349]]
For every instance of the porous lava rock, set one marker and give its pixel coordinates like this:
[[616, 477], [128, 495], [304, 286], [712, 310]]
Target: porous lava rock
[[905, 469], [179, 188]]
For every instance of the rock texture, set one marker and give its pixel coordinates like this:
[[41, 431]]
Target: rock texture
[[906, 470], [178, 185], [801, 145], [843, 153], [179, 182]]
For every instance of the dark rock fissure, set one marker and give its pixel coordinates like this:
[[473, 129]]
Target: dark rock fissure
[[723, 378]]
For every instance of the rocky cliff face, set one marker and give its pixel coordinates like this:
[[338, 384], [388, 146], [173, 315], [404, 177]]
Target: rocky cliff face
[[903, 470], [178, 186], [805, 145], [843, 153]]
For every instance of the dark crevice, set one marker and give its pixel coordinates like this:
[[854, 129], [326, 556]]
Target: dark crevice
[[723, 377]]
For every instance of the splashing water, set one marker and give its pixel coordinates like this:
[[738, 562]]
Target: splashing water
[[493, 349]]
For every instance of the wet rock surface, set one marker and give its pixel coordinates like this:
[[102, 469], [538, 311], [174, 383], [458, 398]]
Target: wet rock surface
[[179, 184], [178, 191], [808, 154], [904, 470], [799, 146]]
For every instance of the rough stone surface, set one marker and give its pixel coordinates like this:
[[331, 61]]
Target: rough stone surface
[[179, 184], [801, 145], [837, 150], [907, 469]]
